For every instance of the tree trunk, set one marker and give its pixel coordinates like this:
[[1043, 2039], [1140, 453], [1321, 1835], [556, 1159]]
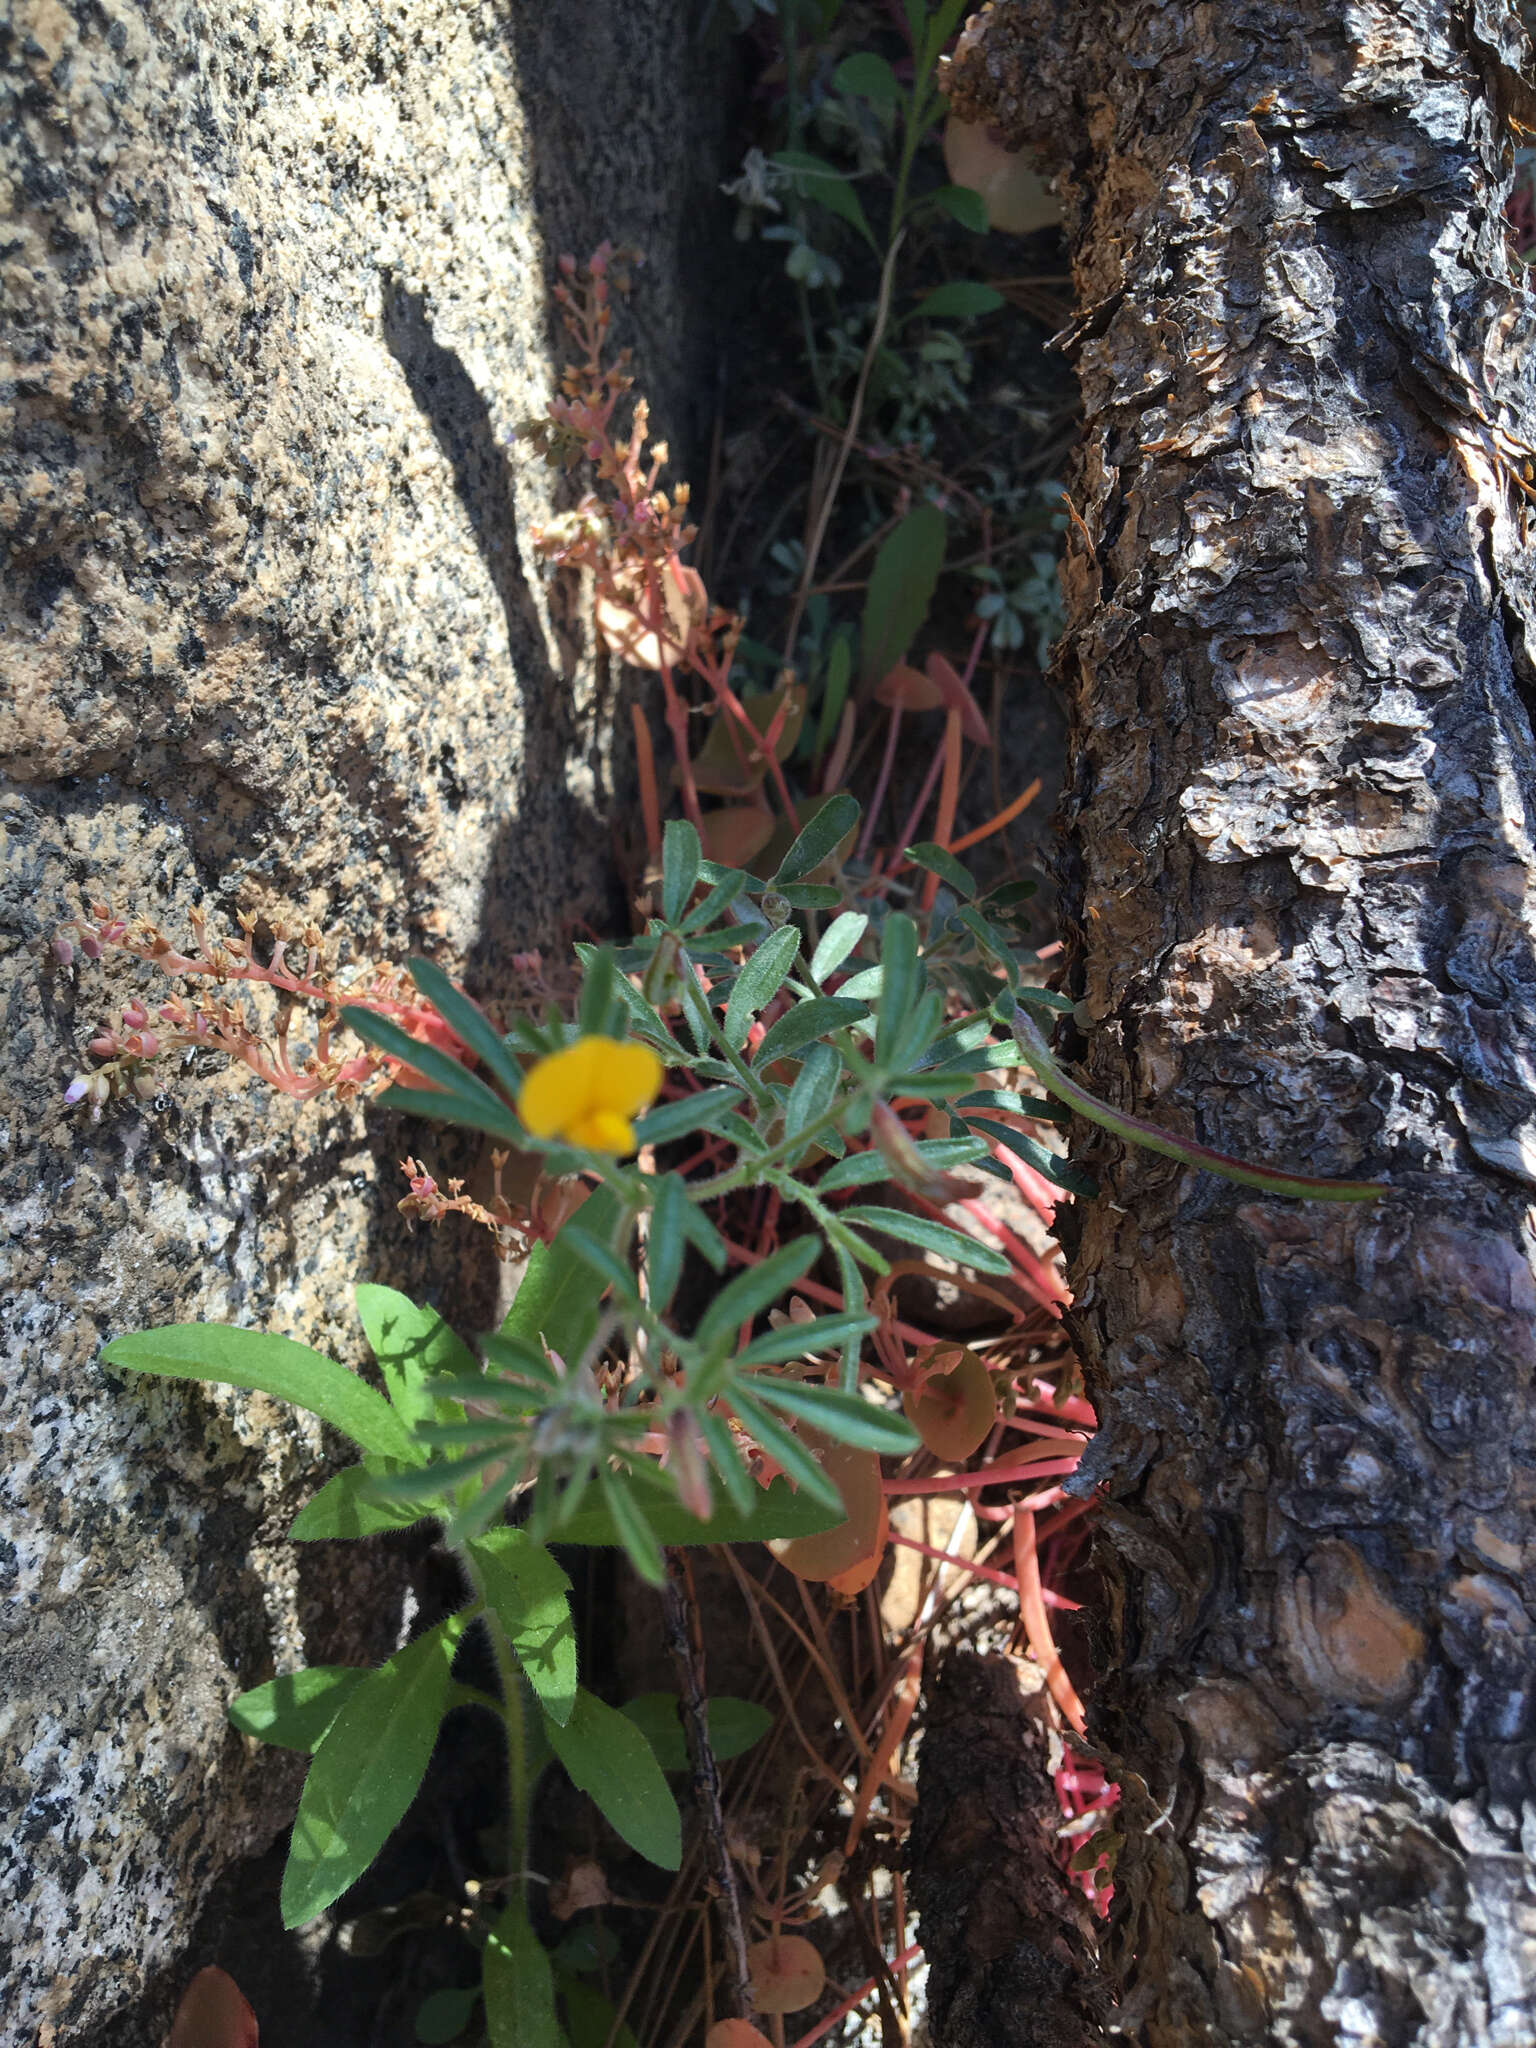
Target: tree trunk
[[1301, 868]]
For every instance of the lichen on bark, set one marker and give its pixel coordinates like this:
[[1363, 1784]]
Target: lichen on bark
[[1300, 867]]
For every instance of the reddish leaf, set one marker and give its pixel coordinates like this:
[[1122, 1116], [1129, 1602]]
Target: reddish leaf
[[213, 2014]]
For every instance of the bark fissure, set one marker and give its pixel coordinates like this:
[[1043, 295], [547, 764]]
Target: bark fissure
[[1302, 865]]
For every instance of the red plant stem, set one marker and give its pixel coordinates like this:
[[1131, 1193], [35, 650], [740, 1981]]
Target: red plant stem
[[1004, 817], [677, 726], [1018, 1251], [1001, 1474], [1037, 1626], [1043, 1429], [949, 795], [915, 816], [824, 2027], [645, 763], [887, 763]]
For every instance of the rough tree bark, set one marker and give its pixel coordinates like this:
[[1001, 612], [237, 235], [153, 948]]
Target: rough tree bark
[[1298, 661]]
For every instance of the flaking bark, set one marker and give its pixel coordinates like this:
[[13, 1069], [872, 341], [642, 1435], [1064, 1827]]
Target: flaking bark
[[1301, 867]]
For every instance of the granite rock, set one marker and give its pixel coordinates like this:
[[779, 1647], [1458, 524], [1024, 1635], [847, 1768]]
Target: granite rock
[[274, 291]]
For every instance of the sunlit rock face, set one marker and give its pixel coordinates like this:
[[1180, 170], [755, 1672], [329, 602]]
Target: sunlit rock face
[[273, 301]]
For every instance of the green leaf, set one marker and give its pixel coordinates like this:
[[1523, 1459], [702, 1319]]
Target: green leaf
[[847, 1418], [755, 1289], [413, 1345], [963, 205], [680, 857], [799, 1340], [831, 824], [807, 1021], [901, 984], [272, 1365], [834, 690], [293, 1712], [814, 1090], [734, 1725], [629, 1520], [928, 1236], [346, 1507], [701, 1112], [784, 1447], [1040, 1157], [869, 76], [590, 2017], [811, 895], [814, 178], [776, 1511], [609, 1759], [519, 1986], [938, 860], [471, 1024], [668, 1239], [959, 301], [759, 982], [900, 590], [443, 2015], [725, 889], [866, 1169], [366, 1771], [600, 1258], [465, 1097], [437, 1106], [837, 942], [531, 1598], [555, 1303]]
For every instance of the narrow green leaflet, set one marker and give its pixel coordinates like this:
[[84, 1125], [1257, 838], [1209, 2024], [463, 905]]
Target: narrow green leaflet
[[869, 76], [785, 1448], [848, 1418], [901, 985], [928, 1236], [1040, 1157], [471, 1024], [519, 1986], [590, 2017], [347, 1507], [755, 1289], [443, 2015], [807, 1021], [680, 857], [734, 1725], [759, 982], [833, 821], [799, 1340], [413, 1346], [901, 586], [366, 1771], [704, 1111], [639, 1539], [816, 179], [463, 1098], [814, 1091], [867, 1169], [270, 1365], [531, 1598], [837, 942], [556, 1304], [294, 1711], [938, 860], [963, 205], [610, 1760], [775, 1511], [959, 301]]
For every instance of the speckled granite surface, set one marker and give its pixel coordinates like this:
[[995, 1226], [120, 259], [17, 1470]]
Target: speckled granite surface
[[273, 291]]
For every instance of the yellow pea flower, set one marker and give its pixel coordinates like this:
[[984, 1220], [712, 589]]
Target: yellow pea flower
[[588, 1093]]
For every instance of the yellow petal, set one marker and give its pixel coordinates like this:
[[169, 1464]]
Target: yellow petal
[[559, 1089], [629, 1075], [603, 1130]]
